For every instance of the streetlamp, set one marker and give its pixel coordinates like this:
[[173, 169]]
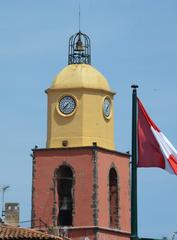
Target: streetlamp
[[3, 192]]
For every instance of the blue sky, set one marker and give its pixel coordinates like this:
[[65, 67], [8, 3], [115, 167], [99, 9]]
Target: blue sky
[[133, 41]]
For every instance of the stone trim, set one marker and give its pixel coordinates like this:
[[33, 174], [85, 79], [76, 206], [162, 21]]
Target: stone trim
[[33, 215], [84, 147], [54, 209], [98, 228], [112, 166], [95, 187], [48, 90]]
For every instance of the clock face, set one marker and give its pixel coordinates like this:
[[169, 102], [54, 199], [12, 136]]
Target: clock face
[[107, 107], [67, 105]]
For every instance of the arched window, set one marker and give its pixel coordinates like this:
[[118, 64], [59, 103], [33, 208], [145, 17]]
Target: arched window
[[113, 198], [64, 189]]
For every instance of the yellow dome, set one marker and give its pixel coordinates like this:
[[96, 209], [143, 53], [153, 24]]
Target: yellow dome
[[80, 76]]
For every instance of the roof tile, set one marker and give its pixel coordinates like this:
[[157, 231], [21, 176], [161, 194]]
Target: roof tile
[[12, 232]]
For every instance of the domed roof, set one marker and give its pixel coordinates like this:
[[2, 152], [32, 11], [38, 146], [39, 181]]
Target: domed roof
[[80, 76]]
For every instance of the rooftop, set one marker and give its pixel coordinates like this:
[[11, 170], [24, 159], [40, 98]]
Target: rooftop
[[12, 232]]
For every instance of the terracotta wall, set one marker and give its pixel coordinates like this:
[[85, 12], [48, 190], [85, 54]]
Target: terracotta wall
[[46, 162], [91, 186], [106, 160]]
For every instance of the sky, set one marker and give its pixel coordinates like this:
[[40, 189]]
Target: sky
[[133, 42]]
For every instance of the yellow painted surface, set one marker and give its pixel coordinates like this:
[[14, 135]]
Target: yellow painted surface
[[80, 76], [87, 124]]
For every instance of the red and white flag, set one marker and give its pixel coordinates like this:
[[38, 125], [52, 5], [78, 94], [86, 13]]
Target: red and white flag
[[154, 149]]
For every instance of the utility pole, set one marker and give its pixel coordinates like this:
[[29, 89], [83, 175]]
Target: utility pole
[[3, 193]]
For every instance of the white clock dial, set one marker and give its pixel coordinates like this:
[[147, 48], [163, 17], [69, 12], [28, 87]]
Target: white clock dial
[[107, 107], [67, 105]]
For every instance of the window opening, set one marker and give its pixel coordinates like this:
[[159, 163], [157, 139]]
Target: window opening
[[64, 189], [113, 198]]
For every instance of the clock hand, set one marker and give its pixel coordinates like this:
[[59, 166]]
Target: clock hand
[[107, 107], [66, 105]]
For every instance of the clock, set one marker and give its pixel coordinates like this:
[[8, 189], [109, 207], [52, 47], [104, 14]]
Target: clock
[[67, 105], [107, 107]]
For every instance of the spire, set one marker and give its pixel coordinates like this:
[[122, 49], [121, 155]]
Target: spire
[[79, 49], [79, 18]]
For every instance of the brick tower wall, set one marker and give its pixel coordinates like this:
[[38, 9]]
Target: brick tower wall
[[107, 160], [91, 206], [45, 164]]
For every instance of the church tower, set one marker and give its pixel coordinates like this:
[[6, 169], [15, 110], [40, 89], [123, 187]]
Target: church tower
[[80, 183]]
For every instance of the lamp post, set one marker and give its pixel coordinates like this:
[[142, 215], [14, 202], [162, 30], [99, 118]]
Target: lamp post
[[3, 192]]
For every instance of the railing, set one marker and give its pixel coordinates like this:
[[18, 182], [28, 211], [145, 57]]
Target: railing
[[40, 225], [36, 223], [150, 238]]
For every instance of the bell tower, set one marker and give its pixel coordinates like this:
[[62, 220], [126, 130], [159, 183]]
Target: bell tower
[[80, 183], [80, 102]]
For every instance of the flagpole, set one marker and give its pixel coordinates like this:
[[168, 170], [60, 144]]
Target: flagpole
[[134, 215]]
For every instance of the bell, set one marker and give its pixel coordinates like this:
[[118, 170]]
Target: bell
[[65, 205], [79, 46]]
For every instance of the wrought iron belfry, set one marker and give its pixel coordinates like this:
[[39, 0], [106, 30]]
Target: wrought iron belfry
[[79, 49]]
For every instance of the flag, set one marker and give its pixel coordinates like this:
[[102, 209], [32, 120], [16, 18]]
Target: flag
[[154, 149]]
